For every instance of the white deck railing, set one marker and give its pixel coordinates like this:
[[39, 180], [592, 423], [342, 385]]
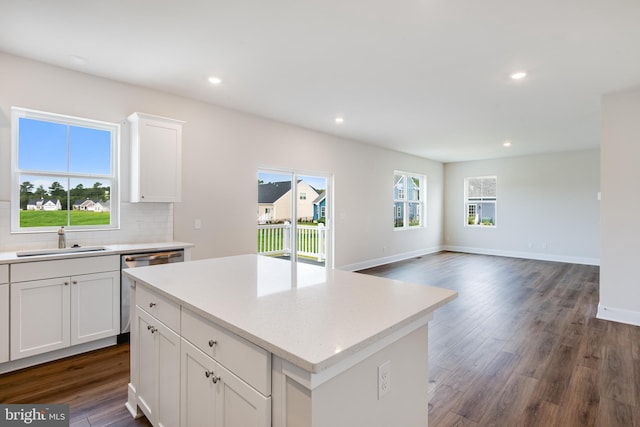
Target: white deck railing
[[275, 239]]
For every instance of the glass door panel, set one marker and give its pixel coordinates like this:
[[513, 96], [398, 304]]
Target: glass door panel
[[292, 216]]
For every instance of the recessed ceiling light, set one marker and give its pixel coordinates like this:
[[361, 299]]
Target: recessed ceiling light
[[214, 80], [507, 143], [339, 120], [519, 75]]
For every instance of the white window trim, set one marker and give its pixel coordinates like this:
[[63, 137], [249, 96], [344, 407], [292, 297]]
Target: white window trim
[[114, 196], [479, 200], [422, 201]]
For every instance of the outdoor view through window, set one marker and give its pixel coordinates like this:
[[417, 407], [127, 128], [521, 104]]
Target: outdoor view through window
[[278, 231], [65, 173]]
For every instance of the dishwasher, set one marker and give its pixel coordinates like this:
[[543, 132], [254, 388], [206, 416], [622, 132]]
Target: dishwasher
[[133, 261]]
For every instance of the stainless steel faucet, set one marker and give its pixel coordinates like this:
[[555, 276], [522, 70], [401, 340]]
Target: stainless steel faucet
[[62, 240]]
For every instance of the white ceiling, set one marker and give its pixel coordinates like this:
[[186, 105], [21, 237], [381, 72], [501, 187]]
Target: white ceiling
[[427, 77]]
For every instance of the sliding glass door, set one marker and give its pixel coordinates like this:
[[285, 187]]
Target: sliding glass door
[[293, 216]]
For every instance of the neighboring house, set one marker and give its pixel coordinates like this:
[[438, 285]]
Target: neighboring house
[[319, 206], [44, 205], [83, 205], [274, 201], [405, 191], [91, 205], [101, 206]]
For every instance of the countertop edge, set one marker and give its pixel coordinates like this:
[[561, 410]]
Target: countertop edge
[[9, 257], [314, 367]]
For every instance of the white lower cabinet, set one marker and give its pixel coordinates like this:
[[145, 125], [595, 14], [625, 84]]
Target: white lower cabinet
[[51, 314], [158, 387], [198, 391], [188, 372], [212, 396], [4, 313]]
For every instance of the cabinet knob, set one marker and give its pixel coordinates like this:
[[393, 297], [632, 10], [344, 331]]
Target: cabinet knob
[[152, 304], [66, 283], [75, 282], [151, 328], [212, 343], [210, 374]]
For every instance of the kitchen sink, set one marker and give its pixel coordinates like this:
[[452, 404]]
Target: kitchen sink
[[72, 250]]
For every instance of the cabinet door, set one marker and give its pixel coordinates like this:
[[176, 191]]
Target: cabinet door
[[158, 386], [156, 156], [197, 399], [40, 316], [4, 323], [95, 306], [168, 376], [146, 388], [238, 404]]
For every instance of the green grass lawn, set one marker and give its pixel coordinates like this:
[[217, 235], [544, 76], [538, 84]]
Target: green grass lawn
[[59, 218]]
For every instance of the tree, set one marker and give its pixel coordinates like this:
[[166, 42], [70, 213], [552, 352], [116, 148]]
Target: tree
[[26, 188], [26, 193], [41, 192], [77, 193], [57, 191]]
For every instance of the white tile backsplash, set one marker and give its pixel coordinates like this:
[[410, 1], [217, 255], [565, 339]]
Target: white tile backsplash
[[139, 223]]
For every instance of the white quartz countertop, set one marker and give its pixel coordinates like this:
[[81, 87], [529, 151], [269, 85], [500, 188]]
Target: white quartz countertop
[[309, 315], [116, 249]]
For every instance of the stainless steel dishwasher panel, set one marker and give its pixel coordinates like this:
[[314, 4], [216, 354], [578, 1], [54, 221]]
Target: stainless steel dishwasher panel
[[140, 260]]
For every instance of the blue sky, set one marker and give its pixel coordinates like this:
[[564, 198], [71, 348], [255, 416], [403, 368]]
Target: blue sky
[[319, 183], [55, 147]]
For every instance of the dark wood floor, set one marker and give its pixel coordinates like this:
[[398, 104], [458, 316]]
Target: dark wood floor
[[93, 384], [520, 347]]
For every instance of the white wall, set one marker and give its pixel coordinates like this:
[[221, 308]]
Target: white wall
[[222, 151], [619, 289], [547, 207]]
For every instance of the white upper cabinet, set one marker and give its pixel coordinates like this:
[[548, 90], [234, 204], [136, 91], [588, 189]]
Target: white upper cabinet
[[156, 158]]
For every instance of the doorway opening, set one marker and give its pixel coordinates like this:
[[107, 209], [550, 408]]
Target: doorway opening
[[293, 216]]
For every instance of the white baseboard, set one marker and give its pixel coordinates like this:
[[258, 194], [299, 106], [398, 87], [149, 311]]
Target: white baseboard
[[618, 315], [38, 359], [525, 255], [471, 250], [389, 259]]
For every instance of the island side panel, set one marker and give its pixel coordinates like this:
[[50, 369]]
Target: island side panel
[[132, 395], [351, 398]]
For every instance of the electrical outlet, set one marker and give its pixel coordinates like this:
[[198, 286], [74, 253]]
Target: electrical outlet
[[197, 224], [384, 379]]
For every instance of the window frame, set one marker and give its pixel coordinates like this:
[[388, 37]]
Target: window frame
[[477, 202], [406, 202], [18, 113]]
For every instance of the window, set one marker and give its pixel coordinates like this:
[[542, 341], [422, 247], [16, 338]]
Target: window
[[480, 201], [408, 200], [303, 196], [64, 172]]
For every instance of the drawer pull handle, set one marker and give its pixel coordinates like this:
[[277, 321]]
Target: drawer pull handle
[[212, 343], [211, 374], [152, 304]]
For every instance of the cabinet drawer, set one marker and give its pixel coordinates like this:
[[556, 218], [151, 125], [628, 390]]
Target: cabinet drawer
[[37, 270], [4, 273], [159, 306], [246, 360]]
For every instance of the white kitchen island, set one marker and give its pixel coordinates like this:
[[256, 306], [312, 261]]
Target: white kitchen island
[[254, 341]]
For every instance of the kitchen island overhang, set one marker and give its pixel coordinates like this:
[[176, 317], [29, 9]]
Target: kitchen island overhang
[[320, 327]]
